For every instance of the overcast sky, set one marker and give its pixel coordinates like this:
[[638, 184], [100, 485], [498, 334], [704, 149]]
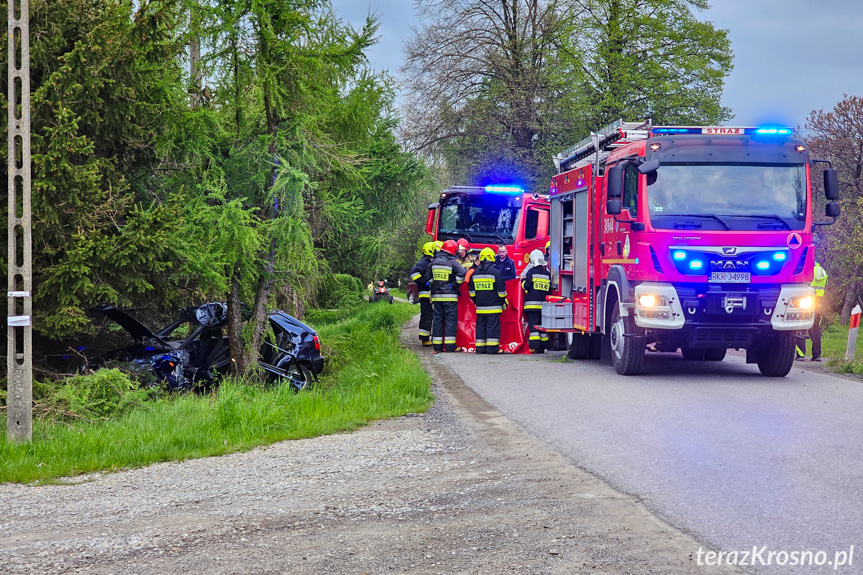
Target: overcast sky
[[790, 56]]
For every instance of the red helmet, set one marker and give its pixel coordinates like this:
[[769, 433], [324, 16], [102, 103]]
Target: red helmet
[[462, 243], [449, 247]]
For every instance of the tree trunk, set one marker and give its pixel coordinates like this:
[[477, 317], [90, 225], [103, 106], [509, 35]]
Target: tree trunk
[[235, 327], [850, 301], [259, 309]]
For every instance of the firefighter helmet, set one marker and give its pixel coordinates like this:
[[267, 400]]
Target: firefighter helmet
[[462, 243], [547, 245], [428, 248], [449, 247], [438, 245], [486, 255], [537, 258]]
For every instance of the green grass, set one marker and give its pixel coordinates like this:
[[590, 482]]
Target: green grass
[[833, 343], [368, 376]]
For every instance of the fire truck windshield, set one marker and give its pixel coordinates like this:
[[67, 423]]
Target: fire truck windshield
[[480, 218], [727, 196]]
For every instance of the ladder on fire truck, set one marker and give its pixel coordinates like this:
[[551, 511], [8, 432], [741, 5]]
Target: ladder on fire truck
[[597, 147]]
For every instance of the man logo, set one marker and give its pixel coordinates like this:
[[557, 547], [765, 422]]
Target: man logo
[[729, 265], [729, 251]]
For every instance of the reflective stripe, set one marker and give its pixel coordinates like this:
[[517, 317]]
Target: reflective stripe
[[488, 309], [437, 340], [543, 337], [449, 340], [415, 276], [425, 293], [534, 338], [480, 343], [424, 332], [445, 297], [424, 296], [483, 277], [491, 341], [533, 306], [471, 293], [501, 293]]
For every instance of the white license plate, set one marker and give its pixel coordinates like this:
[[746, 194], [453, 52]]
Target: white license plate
[[730, 277]]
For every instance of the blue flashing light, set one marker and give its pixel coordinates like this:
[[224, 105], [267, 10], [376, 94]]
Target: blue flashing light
[[774, 131], [679, 255], [504, 189], [676, 130], [780, 256], [696, 264], [150, 348], [762, 265]]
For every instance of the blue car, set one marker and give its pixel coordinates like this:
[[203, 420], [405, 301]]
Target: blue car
[[291, 352]]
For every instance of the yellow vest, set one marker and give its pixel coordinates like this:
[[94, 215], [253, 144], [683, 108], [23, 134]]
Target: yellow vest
[[820, 281]]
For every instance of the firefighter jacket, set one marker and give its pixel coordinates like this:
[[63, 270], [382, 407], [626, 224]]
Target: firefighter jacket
[[537, 285], [418, 273], [445, 275], [819, 282], [468, 261], [487, 289]]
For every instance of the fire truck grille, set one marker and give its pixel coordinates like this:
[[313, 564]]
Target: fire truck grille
[[722, 336]]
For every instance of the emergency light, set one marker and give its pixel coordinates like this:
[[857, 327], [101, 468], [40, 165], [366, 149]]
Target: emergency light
[[504, 189]]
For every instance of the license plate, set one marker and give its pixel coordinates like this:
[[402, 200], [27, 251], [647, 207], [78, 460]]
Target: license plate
[[730, 277]]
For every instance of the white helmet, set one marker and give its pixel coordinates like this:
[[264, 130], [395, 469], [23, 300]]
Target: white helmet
[[537, 258]]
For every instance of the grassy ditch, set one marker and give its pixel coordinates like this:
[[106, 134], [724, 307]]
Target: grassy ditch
[[368, 376]]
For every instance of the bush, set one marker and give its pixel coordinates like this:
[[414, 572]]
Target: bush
[[103, 394], [340, 291]]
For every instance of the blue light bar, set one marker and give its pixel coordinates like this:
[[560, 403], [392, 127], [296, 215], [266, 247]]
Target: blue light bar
[[679, 255], [696, 265], [777, 131], [780, 256], [763, 265], [676, 130], [504, 189]]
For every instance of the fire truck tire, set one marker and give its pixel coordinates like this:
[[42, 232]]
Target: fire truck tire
[[627, 353], [580, 346], [692, 354], [777, 359], [714, 354]]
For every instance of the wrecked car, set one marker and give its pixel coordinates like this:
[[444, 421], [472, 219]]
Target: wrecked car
[[193, 351]]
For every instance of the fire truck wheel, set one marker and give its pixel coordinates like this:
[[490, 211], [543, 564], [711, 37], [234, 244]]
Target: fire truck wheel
[[714, 354], [776, 359], [580, 346], [692, 354], [627, 353]]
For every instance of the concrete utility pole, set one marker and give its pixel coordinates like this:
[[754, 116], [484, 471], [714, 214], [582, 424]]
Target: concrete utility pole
[[19, 358]]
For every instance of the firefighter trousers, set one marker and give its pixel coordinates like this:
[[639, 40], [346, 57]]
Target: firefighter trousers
[[425, 321], [487, 332], [537, 340], [445, 325]]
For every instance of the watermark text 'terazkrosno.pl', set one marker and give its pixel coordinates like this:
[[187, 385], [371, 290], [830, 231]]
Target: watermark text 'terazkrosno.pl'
[[765, 556]]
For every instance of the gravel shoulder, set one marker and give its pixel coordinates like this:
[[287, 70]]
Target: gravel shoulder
[[459, 489]]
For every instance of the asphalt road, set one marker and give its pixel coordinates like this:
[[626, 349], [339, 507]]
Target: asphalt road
[[733, 458]]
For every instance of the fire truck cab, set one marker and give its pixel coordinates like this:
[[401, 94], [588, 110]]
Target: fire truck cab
[[489, 216], [685, 237]]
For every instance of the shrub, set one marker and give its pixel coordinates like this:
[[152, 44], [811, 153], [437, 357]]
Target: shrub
[[340, 291]]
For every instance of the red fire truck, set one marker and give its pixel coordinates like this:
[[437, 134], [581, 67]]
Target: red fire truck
[[684, 237], [489, 216]]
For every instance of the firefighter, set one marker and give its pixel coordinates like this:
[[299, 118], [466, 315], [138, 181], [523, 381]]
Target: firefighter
[[819, 283], [424, 290], [463, 255], [488, 291], [536, 285], [445, 275], [547, 253]]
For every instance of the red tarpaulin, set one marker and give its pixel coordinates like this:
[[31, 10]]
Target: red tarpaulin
[[512, 327]]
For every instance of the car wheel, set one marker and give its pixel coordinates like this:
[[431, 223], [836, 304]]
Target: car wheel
[[627, 353], [391, 299], [298, 375]]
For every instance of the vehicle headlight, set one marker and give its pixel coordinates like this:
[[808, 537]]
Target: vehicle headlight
[[804, 302], [651, 300]]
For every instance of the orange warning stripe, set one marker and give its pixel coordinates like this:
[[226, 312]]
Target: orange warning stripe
[[855, 321]]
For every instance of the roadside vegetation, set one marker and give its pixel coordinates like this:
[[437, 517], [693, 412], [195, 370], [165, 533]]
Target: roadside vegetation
[[105, 422]]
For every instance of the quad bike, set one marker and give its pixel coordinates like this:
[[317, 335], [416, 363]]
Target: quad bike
[[381, 292]]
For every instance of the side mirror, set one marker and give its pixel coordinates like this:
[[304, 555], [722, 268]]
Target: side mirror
[[615, 182], [832, 210], [648, 167], [430, 218], [613, 207], [831, 184]]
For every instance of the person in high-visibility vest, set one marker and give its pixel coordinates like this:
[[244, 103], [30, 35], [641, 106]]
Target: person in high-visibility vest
[[819, 283]]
